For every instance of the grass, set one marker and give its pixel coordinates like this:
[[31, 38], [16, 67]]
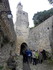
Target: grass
[[1, 67], [50, 61]]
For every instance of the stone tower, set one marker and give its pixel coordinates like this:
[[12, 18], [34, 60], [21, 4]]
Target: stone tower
[[7, 33], [22, 25]]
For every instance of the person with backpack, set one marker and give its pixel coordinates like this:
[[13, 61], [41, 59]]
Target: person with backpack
[[29, 55]]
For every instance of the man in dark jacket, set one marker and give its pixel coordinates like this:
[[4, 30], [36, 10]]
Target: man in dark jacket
[[44, 54], [29, 55]]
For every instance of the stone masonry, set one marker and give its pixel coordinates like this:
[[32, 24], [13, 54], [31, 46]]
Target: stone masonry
[[7, 33], [22, 26], [39, 37]]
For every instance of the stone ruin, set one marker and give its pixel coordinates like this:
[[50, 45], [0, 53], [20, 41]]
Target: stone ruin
[[7, 33]]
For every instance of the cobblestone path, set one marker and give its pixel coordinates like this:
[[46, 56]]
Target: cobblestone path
[[26, 66]]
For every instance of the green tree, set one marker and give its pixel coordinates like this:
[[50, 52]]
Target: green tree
[[39, 17], [50, 1]]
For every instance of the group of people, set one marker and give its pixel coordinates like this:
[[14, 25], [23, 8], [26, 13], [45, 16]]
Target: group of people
[[29, 56], [34, 56]]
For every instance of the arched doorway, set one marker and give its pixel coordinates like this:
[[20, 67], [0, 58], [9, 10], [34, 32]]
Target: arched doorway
[[23, 47]]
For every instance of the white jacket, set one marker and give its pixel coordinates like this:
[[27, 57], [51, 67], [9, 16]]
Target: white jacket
[[33, 54]]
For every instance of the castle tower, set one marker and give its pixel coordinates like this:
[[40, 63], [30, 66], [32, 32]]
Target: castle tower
[[20, 7], [7, 33], [22, 25], [22, 17]]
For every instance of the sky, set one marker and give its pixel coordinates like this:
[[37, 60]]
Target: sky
[[29, 6]]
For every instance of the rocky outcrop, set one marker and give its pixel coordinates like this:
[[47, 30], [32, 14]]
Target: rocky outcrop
[[7, 33]]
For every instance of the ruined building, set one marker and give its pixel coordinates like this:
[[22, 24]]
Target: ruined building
[[7, 33], [22, 27], [40, 37], [36, 38]]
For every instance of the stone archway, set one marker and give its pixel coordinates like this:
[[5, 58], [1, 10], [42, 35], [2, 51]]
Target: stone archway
[[23, 47]]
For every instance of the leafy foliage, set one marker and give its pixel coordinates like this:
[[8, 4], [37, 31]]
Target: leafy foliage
[[50, 1], [42, 16], [1, 67]]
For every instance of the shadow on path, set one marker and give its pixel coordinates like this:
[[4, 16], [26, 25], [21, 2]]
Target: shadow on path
[[26, 66]]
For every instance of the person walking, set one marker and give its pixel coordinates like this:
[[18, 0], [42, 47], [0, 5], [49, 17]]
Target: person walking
[[34, 57], [29, 55], [44, 54], [24, 56], [40, 57], [37, 56]]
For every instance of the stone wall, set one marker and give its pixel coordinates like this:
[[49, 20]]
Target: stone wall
[[7, 42], [39, 37], [7, 39], [4, 5], [7, 33]]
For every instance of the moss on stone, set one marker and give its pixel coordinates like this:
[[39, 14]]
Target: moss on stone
[[1, 67], [50, 61]]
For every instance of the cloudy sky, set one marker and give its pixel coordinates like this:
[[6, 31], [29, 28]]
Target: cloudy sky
[[30, 6]]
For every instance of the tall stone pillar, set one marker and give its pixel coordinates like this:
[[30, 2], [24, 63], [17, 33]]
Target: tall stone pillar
[[22, 26]]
